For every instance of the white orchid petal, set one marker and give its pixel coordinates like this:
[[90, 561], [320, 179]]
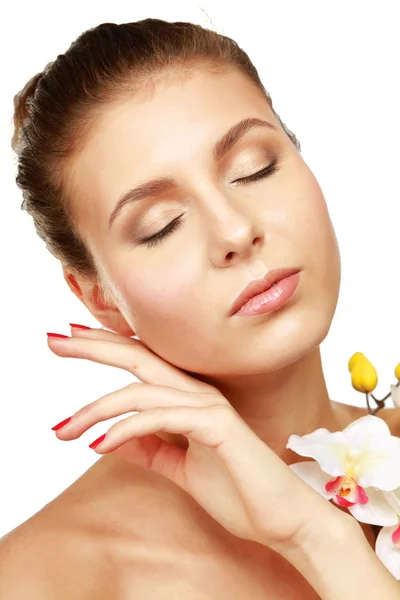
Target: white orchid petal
[[366, 429], [377, 511], [329, 449], [395, 391], [378, 445], [381, 470], [387, 552], [311, 473], [394, 499]]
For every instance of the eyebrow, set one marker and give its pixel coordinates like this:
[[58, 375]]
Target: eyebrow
[[161, 185]]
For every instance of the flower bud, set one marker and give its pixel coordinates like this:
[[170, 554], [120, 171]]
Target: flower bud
[[397, 371], [354, 360], [364, 377]]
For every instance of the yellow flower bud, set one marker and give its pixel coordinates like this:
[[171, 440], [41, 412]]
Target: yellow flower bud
[[354, 360], [364, 377], [397, 371]]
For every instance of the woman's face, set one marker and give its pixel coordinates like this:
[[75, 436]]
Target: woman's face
[[179, 291]]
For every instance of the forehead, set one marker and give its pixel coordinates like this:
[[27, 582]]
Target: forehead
[[154, 134]]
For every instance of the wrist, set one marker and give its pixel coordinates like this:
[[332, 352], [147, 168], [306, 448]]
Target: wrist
[[334, 527], [334, 556]]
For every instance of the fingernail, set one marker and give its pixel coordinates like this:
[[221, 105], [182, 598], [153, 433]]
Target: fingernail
[[59, 425], [79, 326], [94, 444], [57, 335]]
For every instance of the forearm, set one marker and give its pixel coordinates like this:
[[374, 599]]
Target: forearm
[[339, 563]]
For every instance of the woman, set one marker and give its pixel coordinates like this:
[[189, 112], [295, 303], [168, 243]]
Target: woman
[[158, 172]]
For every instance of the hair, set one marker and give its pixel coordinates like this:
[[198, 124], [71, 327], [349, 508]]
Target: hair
[[53, 113]]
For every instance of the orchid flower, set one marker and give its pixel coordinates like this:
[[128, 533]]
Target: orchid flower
[[354, 467], [358, 468], [387, 545]]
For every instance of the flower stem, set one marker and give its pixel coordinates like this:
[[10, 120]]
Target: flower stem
[[368, 405], [380, 403]]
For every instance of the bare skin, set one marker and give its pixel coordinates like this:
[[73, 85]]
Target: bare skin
[[124, 532]]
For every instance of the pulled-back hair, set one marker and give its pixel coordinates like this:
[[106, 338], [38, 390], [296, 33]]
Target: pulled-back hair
[[56, 108]]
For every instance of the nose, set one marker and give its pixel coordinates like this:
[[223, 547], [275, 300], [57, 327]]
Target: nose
[[233, 235]]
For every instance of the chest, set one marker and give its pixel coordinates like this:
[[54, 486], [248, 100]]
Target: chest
[[172, 554], [223, 573], [229, 577]]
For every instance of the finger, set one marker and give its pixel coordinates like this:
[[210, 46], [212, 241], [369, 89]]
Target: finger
[[101, 334], [202, 424], [171, 419], [133, 397], [213, 427], [134, 358]]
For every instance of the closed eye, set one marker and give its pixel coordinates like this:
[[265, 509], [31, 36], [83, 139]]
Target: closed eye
[[157, 237], [269, 170]]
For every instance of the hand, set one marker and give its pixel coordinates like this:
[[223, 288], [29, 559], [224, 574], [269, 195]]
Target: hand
[[226, 467]]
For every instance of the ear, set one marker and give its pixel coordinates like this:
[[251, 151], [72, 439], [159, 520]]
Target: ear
[[90, 294]]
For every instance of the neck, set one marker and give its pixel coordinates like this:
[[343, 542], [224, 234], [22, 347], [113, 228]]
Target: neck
[[292, 400]]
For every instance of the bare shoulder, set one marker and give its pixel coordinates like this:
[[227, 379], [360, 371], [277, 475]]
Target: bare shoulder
[[392, 418], [349, 413], [76, 547], [44, 558]]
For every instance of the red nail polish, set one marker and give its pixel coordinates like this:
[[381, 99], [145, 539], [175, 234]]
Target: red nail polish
[[57, 335], [97, 442], [59, 425], [80, 326]]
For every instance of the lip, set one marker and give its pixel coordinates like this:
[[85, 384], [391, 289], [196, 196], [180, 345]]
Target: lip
[[258, 286]]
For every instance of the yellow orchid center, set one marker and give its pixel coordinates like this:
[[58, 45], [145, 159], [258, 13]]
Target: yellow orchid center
[[348, 484], [344, 486]]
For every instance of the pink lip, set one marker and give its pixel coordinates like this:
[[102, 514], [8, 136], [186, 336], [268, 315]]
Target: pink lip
[[258, 286]]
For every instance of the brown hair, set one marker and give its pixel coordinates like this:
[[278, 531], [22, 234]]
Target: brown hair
[[55, 109]]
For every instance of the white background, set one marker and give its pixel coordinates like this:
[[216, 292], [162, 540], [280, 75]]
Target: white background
[[332, 69]]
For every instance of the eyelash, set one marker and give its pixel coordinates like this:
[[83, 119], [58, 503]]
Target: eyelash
[[158, 237]]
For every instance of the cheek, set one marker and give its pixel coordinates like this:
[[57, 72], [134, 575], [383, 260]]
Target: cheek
[[313, 229], [168, 312], [317, 239], [151, 296], [158, 296], [162, 310]]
